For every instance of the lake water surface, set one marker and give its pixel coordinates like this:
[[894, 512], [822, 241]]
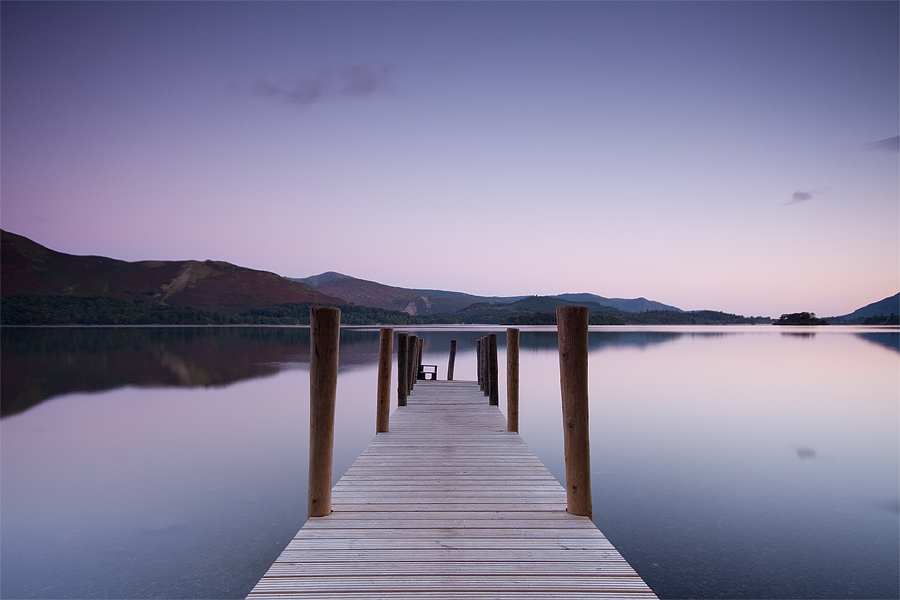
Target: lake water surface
[[170, 462]]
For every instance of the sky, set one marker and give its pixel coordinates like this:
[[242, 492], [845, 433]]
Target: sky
[[734, 156]]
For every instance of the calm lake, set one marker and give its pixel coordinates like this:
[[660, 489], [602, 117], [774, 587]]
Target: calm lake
[[170, 462]]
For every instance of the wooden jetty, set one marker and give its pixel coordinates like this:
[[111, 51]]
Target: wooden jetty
[[448, 503]]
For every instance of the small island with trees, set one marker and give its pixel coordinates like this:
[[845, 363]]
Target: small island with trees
[[801, 318]]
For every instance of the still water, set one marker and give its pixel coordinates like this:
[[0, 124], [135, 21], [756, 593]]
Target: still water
[[170, 462]]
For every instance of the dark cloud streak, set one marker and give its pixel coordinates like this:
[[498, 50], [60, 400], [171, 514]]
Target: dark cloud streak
[[362, 80], [799, 196], [304, 92], [355, 81], [891, 144]]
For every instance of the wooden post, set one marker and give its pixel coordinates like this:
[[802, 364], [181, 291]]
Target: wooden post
[[383, 402], [452, 360], [572, 328], [478, 363], [493, 376], [421, 345], [484, 365], [325, 333], [402, 368], [512, 380], [411, 360]]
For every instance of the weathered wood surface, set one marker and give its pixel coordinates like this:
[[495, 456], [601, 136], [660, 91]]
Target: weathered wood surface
[[449, 504]]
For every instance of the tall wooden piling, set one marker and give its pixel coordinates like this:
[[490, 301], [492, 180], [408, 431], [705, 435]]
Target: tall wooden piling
[[402, 368], [411, 360], [383, 402], [512, 380], [484, 366], [572, 328], [493, 372], [452, 360], [479, 363], [421, 349], [325, 333]]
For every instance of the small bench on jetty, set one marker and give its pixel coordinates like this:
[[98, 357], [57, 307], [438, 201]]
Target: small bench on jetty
[[449, 502], [428, 372]]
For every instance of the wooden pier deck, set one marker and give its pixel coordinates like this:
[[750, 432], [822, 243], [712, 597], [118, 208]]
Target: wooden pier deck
[[448, 504]]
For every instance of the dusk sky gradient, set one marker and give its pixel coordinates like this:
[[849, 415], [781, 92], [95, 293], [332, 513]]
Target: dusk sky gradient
[[736, 156]]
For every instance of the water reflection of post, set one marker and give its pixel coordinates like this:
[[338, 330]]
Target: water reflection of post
[[512, 380], [452, 362], [325, 333], [383, 402], [402, 368], [572, 329]]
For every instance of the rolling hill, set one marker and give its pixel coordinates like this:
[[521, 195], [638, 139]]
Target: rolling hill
[[378, 295], [432, 302], [30, 269], [40, 286], [883, 308]]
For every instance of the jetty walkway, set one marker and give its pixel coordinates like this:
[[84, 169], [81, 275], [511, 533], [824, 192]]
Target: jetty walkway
[[449, 504]]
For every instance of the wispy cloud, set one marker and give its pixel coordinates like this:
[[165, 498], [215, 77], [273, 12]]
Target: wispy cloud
[[362, 80], [891, 144], [352, 81], [799, 196], [304, 91]]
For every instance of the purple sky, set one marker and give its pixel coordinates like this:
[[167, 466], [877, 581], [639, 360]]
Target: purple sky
[[729, 156]]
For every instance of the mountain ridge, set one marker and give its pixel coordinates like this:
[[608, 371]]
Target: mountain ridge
[[42, 286], [883, 308], [30, 269], [419, 302]]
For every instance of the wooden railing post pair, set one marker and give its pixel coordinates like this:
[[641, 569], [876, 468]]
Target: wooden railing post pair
[[486, 354]]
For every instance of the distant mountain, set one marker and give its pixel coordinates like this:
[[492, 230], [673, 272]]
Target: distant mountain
[[28, 269], [541, 310], [431, 302], [887, 307], [632, 305], [463, 297], [320, 279], [378, 295]]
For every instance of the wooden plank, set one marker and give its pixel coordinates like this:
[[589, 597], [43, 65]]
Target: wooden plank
[[443, 566], [482, 556], [501, 583], [449, 504], [426, 543], [395, 515], [397, 594]]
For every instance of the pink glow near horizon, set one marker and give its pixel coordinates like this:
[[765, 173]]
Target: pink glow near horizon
[[728, 156]]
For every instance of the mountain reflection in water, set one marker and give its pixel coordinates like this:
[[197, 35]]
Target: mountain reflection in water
[[40, 363]]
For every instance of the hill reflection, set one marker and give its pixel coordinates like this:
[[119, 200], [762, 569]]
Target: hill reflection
[[42, 363]]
